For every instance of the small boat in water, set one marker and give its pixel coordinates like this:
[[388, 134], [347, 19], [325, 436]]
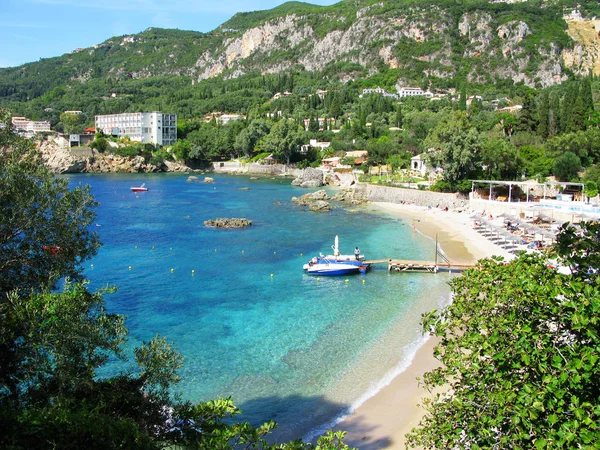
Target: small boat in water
[[141, 188], [336, 264], [324, 267]]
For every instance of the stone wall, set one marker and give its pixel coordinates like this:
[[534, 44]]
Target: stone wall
[[389, 194]]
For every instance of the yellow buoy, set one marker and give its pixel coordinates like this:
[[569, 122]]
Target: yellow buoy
[[171, 248], [318, 279], [92, 266], [271, 275], [172, 270], [136, 246], [346, 281], [153, 247], [242, 252], [129, 267], [193, 271], [300, 254], [364, 281], [274, 253]]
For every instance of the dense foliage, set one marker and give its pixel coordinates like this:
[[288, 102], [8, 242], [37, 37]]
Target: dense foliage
[[519, 348], [53, 341]]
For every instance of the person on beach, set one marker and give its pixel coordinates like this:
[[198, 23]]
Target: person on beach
[[357, 253]]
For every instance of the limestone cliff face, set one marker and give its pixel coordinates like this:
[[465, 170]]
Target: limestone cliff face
[[585, 54], [490, 50]]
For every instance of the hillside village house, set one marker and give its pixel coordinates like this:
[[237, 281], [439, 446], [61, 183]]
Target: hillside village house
[[407, 91], [321, 120], [314, 144], [29, 128], [155, 127]]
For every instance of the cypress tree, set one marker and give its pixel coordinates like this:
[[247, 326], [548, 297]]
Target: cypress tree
[[527, 118], [462, 101], [544, 115], [585, 90], [554, 114], [578, 116]]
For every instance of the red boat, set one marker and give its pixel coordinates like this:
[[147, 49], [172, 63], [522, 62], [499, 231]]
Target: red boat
[[141, 188]]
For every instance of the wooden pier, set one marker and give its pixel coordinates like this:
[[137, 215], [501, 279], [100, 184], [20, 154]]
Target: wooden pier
[[404, 265]]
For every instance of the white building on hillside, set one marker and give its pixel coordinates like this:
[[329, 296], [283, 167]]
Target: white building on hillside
[[154, 127], [28, 128], [407, 91]]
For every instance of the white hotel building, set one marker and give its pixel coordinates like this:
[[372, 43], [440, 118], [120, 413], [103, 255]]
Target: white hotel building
[[154, 127]]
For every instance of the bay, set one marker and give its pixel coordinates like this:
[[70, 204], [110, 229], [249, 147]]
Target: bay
[[249, 322]]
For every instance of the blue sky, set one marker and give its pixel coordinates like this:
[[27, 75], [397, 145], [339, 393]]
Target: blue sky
[[34, 29]]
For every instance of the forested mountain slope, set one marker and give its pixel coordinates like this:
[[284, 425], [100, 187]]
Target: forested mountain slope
[[422, 43]]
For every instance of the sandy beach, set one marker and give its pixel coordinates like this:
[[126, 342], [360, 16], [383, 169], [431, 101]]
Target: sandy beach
[[383, 420]]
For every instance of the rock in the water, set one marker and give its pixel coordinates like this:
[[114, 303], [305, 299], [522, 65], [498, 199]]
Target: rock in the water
[[228, 223], [245, 189], [319, 205], [314, 196], [192, 179], [208, 180]]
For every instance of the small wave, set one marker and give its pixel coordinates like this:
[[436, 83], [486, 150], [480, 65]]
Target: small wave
[[409, 351]]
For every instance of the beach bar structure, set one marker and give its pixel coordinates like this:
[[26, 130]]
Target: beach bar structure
[[526, 186]]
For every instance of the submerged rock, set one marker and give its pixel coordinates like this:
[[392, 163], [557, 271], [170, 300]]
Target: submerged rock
[[228, 223], [208, 180], [319, 205]]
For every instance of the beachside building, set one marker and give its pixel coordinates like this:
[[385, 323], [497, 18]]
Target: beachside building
[[330, 163], [418, 164], [155, 127]]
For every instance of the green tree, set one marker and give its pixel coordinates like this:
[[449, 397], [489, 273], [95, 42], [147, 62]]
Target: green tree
[[518, 347], [44, 226], [567, 166], [71, 123], [284, 140], [591, 189], [500, 160], [455, 146]]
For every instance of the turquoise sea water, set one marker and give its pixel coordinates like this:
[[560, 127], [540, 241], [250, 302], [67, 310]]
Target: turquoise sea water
[[250, 324]]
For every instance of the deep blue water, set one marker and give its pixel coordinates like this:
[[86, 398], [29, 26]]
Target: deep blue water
[[236, 303]]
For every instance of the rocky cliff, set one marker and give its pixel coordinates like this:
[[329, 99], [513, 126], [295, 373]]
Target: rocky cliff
[[372, 35], [60, 159]]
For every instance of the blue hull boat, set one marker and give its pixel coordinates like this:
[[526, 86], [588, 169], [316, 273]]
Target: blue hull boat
[[336, 264]]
